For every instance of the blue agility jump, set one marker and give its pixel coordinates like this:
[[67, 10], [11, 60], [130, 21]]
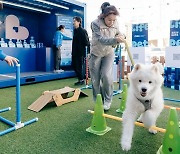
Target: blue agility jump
[[87, 71], [172, 100], [18, 124], [119, 91]]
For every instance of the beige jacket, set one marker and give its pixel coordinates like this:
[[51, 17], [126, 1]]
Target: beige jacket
[[103, 38]]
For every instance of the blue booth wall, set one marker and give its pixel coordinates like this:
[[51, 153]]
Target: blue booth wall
[[31, 59], [42, 27], [26, 56], [27, 19], [47, 26]]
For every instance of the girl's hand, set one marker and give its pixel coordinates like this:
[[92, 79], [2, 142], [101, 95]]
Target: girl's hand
[[11, 60], [120, 39]]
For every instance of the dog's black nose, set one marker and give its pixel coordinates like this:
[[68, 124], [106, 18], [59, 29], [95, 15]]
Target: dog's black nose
[[144, 89]]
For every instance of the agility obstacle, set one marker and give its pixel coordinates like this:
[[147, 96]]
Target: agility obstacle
[[98, 124], [120, 67], [171, 140], [59, 97], [18, 124], [172, 100], [99, 119], [169, 107], [172, 132], [136, 123], [116, 92], [129, 53], [123, 100], [87, 86]]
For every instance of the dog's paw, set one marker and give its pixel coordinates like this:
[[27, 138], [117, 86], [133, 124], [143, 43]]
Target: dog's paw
[[139, 120], [152, 131], [126, 146]]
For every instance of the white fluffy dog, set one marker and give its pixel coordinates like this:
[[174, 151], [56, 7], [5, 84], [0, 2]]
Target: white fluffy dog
[[144, 97]]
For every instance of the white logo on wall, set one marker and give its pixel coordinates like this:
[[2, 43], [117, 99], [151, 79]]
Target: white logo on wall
[[13, 30]]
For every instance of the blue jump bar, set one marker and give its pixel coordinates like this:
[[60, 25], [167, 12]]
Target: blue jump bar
[[7, 131], [7, 121], [16, 128], [87, 87], [117, 92], [18, 99], [170, 99], [4, 110], [18, 109], [30, 121], [120, 69]]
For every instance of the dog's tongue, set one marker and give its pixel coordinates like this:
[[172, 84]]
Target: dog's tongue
[[143, 94]]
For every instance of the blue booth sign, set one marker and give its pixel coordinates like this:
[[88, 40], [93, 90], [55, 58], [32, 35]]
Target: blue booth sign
[[174, 33], [140, 35], [67, 21]]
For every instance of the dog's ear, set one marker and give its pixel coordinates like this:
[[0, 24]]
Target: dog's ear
[[137, 67]]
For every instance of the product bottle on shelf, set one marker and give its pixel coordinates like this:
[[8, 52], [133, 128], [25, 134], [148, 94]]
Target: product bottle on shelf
[[2, 43], [26, 45], [32, 42], [19, 44], [11, 44]]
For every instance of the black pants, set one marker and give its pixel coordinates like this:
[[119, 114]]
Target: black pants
[[57, 57], [79, 67]]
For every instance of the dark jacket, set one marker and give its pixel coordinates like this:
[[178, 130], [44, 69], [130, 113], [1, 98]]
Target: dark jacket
[[80, 41]]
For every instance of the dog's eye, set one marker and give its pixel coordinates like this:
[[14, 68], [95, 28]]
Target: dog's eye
[[140, 81], [150, 82]]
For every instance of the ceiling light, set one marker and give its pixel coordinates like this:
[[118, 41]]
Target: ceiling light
[[53, 4], [78, 11], [58, 14], [26, 7]]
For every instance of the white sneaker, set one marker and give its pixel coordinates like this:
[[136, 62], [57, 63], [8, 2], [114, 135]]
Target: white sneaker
[[107, 106], [58, 71], [61, 70]]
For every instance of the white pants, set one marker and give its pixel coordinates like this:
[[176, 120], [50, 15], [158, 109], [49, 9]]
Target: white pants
[[101, 71]]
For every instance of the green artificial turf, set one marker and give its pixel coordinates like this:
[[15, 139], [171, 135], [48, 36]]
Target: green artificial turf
[[61, 130]]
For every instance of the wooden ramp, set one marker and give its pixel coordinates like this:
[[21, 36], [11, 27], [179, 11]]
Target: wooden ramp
[[59, 96]]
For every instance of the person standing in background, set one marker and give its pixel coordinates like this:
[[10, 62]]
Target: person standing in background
[[57, 43], [80, 41], [105, 36]]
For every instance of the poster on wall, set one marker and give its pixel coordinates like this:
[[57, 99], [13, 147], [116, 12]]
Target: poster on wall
[[174, 33], [140, 35], [66, 51], [67, 22]]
